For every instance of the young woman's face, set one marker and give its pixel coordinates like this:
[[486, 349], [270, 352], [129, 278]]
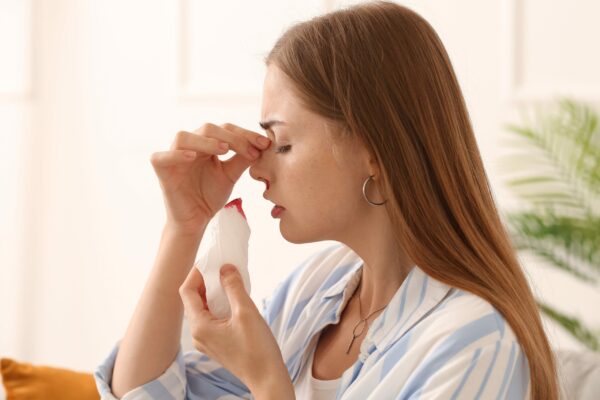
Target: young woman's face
[[322, 195]]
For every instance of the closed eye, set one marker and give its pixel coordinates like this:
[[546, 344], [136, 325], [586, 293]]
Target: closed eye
[[284, 149]]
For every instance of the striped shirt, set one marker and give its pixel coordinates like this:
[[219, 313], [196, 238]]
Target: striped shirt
[[432, 341]]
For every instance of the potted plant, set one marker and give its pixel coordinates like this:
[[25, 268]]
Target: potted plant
[[555, 172]]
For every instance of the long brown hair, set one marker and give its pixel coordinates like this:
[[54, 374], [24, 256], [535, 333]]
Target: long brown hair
[[379, 72]]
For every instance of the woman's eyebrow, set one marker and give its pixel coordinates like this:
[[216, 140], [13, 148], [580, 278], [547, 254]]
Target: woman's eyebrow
[[268, 124]]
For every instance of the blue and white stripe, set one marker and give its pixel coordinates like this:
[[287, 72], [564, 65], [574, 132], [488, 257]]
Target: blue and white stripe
[[432, 341]]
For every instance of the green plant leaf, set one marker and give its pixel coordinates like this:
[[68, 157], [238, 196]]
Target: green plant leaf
[[575, 327], [554, 169]]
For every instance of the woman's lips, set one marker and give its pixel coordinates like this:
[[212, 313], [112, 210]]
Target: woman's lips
[[276, 211]]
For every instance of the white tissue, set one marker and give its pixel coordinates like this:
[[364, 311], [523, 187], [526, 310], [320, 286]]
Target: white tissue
[[225, 241]]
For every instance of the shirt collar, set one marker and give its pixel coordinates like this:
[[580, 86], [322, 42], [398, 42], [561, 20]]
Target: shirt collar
[[348, 282], [418, 295], [414, 299]]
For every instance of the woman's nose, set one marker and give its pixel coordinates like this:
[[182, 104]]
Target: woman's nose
[[265, 154], [260, 179], [258, 168]]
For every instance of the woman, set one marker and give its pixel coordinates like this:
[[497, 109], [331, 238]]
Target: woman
[[373, 148]]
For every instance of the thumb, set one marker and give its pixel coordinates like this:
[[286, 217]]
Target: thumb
[[232, 282]]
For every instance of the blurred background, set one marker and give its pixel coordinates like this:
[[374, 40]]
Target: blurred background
[[89, 89]]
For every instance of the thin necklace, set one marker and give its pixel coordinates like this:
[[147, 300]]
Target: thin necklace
[[363, 320]]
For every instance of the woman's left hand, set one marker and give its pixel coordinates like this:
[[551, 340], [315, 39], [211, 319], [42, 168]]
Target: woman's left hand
[[244, 343]]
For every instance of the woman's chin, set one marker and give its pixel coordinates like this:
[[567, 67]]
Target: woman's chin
[[294, 234], [287, 232]]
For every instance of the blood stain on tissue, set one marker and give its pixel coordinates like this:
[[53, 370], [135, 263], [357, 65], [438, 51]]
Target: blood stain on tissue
[[238, 204]]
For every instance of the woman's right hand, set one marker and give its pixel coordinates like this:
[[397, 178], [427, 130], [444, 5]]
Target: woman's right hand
[[195, 188]]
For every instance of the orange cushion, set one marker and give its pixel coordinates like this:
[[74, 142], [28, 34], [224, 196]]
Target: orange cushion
[[24, 381]]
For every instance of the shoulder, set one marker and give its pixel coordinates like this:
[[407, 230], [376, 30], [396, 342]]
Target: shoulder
[[464, 345], [466, 329], [465, 314], [326, 268], [319, 271], [458, 323]]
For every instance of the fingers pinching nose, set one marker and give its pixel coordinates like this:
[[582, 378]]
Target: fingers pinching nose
[[254, 153], [263, 142]]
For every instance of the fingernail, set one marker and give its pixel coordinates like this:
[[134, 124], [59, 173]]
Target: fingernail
[[223, 146], [227, 269], [263, 141]]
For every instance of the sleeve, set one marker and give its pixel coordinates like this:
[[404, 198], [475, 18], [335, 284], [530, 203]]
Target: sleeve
[[194, 375], [496, 370], [191, 376]]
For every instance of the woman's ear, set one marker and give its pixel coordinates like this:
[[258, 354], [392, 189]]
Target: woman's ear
[[374, 168]]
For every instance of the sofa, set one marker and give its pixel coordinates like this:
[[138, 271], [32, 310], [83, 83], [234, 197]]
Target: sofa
[[579, 376]]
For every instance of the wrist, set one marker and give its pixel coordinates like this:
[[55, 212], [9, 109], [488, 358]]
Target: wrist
[[176, 254], [275, 386], [191, 232]]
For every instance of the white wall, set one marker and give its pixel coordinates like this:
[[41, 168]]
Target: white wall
[[88, 90]]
